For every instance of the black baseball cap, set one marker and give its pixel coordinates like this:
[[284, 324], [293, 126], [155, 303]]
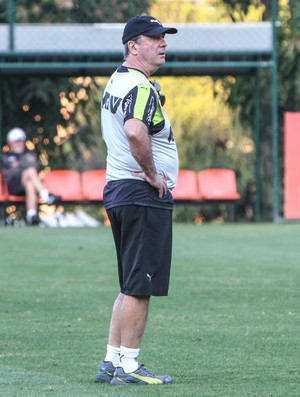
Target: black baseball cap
[[146, 25]]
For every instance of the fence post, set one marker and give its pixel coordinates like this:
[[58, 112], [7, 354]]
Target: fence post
[[257, 135], [275, 115], [11, 17]]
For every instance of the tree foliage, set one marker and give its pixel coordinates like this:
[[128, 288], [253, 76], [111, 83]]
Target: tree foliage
[[72, 11], [58, 116], [239, 11]]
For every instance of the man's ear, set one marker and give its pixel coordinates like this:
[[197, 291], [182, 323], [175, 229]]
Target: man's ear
[[132, 47]]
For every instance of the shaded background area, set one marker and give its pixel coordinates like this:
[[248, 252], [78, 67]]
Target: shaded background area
[[213, 118]]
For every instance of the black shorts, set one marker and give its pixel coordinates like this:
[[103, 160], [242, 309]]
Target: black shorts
[[15, 187], [143, 239]]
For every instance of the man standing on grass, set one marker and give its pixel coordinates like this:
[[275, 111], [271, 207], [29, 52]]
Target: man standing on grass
[[142, 168]]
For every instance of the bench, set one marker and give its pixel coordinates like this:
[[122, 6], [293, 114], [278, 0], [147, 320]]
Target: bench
[[209, 186]]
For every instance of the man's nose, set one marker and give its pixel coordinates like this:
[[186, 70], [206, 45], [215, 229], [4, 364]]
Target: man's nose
[[163, 42]]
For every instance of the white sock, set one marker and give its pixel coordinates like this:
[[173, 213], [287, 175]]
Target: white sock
[[129, 359], [30, 213], [113, 355], [44, 194]]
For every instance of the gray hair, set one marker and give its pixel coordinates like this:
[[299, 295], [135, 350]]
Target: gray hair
[[136, 39]]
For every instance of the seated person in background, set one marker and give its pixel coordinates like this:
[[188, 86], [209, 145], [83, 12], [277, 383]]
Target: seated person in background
[[20, 169]]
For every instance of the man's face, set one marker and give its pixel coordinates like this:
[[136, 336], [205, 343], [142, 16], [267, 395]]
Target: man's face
[[17, 146], [152, 50]]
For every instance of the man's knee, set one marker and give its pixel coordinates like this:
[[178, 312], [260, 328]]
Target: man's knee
[[29, 174]]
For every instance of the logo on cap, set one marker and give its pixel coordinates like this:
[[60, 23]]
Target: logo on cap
[[155, 21]]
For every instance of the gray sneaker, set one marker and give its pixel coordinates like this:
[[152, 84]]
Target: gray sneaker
[[141, 376], [106, 372], [53, 199]]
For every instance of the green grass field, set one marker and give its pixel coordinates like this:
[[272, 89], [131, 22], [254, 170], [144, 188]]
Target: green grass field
[[230, 326]]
